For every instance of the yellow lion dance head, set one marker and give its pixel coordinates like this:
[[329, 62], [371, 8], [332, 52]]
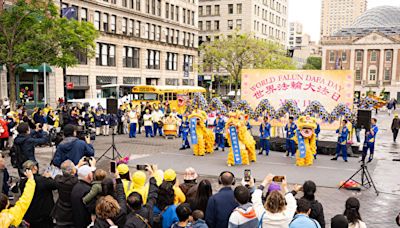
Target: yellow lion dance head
[[307, 125]]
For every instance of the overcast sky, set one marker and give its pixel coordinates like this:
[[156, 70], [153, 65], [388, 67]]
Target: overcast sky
[[308, 12]]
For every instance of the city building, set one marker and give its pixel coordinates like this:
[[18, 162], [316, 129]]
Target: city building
[[151, 42], [300, 45], [337, 14], [369, 47], [265, 19]]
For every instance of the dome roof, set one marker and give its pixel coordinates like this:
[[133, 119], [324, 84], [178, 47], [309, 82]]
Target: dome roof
[[382, 16]]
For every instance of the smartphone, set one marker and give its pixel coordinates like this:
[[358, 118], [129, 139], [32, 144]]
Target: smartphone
[[278, 178], [141, 167], [113, 166], [247, 175]]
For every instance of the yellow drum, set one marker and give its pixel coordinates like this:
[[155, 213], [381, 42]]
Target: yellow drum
[[170, 130]]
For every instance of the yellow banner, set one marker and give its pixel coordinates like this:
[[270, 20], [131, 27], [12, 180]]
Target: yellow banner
[[329, 87]]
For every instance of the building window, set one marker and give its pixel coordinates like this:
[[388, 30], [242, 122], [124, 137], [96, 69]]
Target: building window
[[208, 25], [208, 10], [131, 80], [171, 61], [138, 5], [201, 25], [166, 10], [331, 56], [172, 12], [124, 3], [184, 15], [78, 80], [130, 27], [358, 75], [83, 14], [105, 54], [113, 23], [216, 25], [188, 63], [147, 6], [239, 23], [386, 76], [192, 17], [153, 7], [372, 75], [158, 33], [124, 24], [177, 37], [159, 8], [177, 13], [153, 59], [131, 57], [97, 20], [81, 57], [230, 8], [230, 24], [105, 22], [137, 28], [153, 32], [216, 10], [388, 56], [359, 56], [172, 81], [239, 8], [373, 56], [344, 56]]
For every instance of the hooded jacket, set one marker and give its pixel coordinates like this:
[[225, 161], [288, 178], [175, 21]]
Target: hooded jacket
[[13, 216], [27, 143], [243, 216], [71, 148], [63, 209], [139, 185]]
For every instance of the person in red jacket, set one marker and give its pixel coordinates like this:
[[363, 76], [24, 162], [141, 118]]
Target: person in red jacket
[[3, 133]]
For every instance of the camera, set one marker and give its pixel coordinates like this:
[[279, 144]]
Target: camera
[[83, 131], [55, 136], [141, 167]]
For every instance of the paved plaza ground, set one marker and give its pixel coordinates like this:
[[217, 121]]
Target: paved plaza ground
[[377, 211]]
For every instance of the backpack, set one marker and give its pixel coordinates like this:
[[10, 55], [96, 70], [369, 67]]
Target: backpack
[[17, 156]]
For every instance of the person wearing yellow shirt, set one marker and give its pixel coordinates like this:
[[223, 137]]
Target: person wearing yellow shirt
[[170, 176], [123, 171], [139, 185], [12, 216]]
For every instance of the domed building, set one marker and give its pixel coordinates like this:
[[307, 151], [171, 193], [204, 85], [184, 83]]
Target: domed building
[[369, 47]]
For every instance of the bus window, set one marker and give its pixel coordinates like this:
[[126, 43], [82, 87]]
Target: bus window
[[161, 98], [173, 96], [145, 96]]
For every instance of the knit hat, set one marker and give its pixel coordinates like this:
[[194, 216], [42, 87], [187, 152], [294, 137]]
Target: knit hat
[[139, 179], [169, 175], [339, 221], [190, 174], [122, 169], [274, 187]]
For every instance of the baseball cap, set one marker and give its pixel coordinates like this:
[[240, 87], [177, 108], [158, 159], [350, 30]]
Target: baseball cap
[[122, 169], [190, 174], [169, 175], [84, 170], [274, 187]]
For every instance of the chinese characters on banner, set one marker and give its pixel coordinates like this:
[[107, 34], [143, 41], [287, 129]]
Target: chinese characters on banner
[[303, 86], [235, 145], [192, 127]]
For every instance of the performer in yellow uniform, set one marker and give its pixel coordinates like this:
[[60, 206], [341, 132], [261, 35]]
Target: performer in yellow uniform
[[205, 137], [305, 138]]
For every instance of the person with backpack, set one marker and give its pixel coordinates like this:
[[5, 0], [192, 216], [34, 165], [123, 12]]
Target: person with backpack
[[24, 145], [244, 215], [317, 210], [302, 219]]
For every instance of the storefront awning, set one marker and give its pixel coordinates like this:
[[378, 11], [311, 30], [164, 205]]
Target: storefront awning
[[35, 69]]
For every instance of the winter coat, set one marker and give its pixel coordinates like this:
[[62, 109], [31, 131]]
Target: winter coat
[[71, 148], [200, 224], [220, 207], [43, 202], [359, 224], [63, 209], [4, 133], [274, 220], [395, 124], [13, 216], [134, 221], [80, 212], [243, 216], [303, 221], [38, 118], [317, 212], [27, 143]]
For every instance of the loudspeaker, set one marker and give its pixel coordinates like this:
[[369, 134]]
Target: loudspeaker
[[112, 106], [364, 119]]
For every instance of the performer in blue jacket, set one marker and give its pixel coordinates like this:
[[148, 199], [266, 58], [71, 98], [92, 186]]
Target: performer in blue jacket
[[369, 143], [185, 132], [219, 126], [343, 133], [317, 131], [265, 136], [290, 129]]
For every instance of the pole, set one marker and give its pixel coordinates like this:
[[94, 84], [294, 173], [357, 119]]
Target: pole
[[65, 84], [45, 83]]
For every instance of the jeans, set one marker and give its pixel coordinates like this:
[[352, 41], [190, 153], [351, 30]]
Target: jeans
[[132, 130], [371, 147], [185, 139], [358, 130], [291, 147], [264, 144], [148, 131], [155, 127], [219, 138], [343, 149], [395, 133]]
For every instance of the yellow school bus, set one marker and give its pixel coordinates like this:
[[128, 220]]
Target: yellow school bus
[[177, 96]]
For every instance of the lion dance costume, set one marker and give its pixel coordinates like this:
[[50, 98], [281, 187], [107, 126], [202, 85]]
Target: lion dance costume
[[305, 138], [247, 144], [205, 136]]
